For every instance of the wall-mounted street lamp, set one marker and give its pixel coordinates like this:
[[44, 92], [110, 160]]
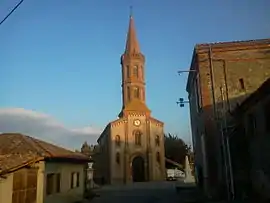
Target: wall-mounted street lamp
[[181, 102], [185, 71]]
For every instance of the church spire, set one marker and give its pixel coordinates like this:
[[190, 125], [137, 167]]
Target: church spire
[[133, 79], [132, 44]]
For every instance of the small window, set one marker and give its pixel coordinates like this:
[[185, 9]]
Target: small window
[[72, 180], [75, 180], [242, 84], [136, 71], [58, 182], [53, 183], [138, 137], [117, 140], [128, 93], [158, 157], [78, 180], [157, 140], [136, 92], [117, 158], [128, 71], [49, 184]]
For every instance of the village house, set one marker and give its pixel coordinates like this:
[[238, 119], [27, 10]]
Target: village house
[[33, 171], [250, 145]]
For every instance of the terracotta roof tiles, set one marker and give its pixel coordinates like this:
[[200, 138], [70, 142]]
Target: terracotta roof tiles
[[17, 150]]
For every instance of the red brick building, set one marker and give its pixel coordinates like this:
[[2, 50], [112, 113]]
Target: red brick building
[[221, 76]]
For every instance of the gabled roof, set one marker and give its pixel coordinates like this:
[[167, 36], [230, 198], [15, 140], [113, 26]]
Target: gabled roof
[[17, 150]]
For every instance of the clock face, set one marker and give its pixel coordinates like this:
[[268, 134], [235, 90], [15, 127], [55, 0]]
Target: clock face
[[137, 122]]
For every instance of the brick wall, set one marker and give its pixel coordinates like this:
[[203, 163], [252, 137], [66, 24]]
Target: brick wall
[[239, 73]]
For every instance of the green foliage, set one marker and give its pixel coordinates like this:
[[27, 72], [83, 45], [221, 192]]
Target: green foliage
[[175, 148]]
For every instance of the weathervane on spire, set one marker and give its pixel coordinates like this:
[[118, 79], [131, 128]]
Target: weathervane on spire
[[130, 11]]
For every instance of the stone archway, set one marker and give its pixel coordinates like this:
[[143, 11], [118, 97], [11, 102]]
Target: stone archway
[[138, 171]]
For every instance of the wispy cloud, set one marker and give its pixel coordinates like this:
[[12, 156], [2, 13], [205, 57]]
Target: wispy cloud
[[45, 127]]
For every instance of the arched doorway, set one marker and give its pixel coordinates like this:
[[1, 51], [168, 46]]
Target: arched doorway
[[138, 174]]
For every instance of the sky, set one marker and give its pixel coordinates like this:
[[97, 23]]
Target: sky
[[60, 60]]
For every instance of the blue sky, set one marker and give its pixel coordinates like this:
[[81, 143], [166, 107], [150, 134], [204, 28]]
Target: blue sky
[[62, 57]]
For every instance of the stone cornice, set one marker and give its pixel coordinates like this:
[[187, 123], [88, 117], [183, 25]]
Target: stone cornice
[[118, 122], [233, 46], [157, 122]]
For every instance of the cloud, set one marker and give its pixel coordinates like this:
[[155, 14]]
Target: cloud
[[45, 127]]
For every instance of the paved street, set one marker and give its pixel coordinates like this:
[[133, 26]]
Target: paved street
[[157, 192]]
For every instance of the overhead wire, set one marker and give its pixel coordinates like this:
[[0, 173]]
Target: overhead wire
[[9, 14]]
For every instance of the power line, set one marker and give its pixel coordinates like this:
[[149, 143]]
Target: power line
[[11, 12]]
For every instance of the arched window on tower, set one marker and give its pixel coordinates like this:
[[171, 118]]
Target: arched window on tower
[[138, 137], [157, 140], [117, 157], [158, 157], [128, 71], [117, 141], [136, 71], [136, 92], [128, 93]]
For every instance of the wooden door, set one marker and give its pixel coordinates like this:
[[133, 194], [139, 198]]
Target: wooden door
[[25, 186]]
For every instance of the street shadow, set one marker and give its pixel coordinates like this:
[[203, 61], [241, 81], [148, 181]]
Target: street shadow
[[231, 121]]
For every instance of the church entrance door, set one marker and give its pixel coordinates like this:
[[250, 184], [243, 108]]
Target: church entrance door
[[138, 173]]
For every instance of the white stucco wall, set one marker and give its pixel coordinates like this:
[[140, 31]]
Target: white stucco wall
[[67, 194]]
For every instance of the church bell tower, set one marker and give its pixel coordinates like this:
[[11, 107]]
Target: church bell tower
[[134, 142], [133, 75]]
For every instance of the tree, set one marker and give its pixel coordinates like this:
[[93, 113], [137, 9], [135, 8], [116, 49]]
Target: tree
[[87, 149], [175, 148]]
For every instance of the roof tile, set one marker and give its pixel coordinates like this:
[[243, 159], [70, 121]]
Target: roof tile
[[17, 149]]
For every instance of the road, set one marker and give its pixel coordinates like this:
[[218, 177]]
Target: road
[[156, 192]]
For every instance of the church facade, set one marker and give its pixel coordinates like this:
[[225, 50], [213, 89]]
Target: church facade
[[131, 148]]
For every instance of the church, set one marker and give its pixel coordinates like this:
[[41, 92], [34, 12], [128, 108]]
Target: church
[[131, 148]]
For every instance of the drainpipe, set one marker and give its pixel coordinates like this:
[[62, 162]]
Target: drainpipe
[[224, 146], [216, 116], [227, 144], [212, 82]]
